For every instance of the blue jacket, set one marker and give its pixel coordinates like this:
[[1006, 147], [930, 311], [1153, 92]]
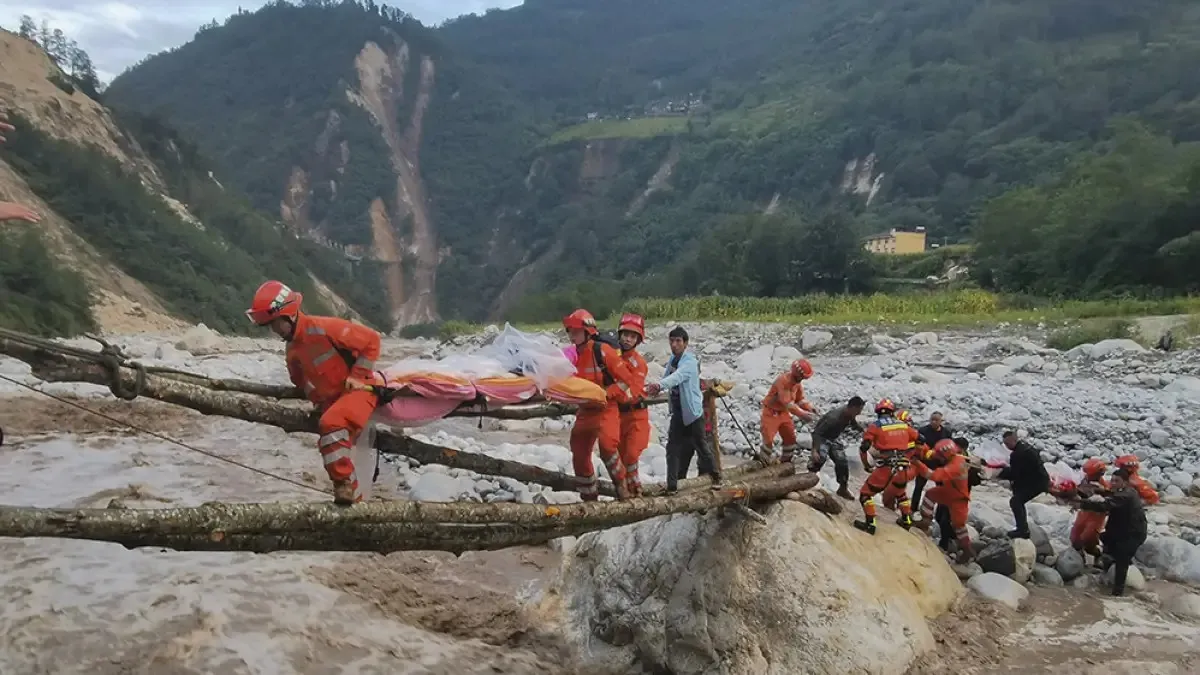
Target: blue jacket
[[687, 380]]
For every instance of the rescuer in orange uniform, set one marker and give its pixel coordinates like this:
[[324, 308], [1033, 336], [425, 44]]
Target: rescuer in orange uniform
[[1085, 533], [332, 361], [786, 398], [953, 491], [635, 415], [1144, 489], [894, 493], [600, 363], [890, 439]]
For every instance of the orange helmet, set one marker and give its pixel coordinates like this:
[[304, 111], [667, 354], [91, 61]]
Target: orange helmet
[[633, 323], [581, 319], [945, 448], [904, 416], [273, 300], [1128, 462], [1094, 468], [885, 405], [1067, 485], [802, 368]]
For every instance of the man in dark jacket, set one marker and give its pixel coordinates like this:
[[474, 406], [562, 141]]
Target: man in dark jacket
[[930, 434], [826, 446], [1126, 528], [1029, 479]]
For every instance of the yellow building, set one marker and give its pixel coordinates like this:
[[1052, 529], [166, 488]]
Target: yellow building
[[896, 242]]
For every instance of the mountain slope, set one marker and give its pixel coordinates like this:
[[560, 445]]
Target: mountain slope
[[904, 114], [148, 252]]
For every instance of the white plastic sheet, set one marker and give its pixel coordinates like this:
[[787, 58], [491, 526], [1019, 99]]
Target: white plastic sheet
[[1063, 477], [993, 454], [534, 356], [468, 366]]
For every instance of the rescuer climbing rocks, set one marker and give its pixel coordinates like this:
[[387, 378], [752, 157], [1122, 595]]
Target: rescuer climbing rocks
[[332, 361], [953, 491], [635, 414], [786, 398], [888, 439], [601, 363], [1126, 529], [826, 446], [1085, 532]]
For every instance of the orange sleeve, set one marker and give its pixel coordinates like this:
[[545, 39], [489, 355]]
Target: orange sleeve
[[782, 390], [626, 386], [954, 469], [362, 342], [914, 436]]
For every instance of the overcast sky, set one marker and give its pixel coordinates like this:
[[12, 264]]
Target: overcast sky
[[118, 34]]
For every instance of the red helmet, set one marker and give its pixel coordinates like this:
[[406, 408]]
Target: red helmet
[[581, 319], [904, 416], [1067, 485], [633, 323], [945, 448], [802, 369], [1128, 462], [273, 300], [885, 405], [1094, 468]]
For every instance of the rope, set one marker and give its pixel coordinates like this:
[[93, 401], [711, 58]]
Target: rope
[[161, 437], [737, 424], [110, 356]]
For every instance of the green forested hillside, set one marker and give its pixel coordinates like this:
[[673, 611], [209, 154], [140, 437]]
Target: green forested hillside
[[950, 104]]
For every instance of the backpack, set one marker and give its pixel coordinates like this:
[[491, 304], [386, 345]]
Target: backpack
[[608, 337]]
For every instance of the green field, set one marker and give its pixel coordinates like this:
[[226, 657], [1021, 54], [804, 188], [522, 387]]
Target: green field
[[643, 127], [942, 309]]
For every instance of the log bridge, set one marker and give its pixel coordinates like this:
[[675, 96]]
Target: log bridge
[[378, 526]]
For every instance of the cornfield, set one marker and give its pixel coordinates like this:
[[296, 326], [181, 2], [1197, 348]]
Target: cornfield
[[880, 306]]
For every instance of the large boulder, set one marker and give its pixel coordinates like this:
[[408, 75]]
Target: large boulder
[[703, 594]]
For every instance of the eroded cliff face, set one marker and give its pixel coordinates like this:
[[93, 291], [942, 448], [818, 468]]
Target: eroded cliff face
[[411, 257]]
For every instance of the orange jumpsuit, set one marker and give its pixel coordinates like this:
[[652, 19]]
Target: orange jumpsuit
[[1085, 533], [893, 471], [600, 423], [635, 421], [322, 354], [785, 399], [953, 491]]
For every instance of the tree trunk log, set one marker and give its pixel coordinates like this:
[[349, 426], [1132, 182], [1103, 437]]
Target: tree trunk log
[[379, 527], [293, 416]]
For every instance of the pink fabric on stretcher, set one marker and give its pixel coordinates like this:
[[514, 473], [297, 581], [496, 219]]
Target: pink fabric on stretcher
[[414, 411]]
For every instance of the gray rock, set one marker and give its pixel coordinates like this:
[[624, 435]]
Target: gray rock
[[926, 338], [998, 588], [1040, 541], [815, 339], [869, 370], [1108, 348], [1160, 438], [1024, 557], [998, 557], [1046, 576], [997, 372], [1194, 489], [1070, 564]]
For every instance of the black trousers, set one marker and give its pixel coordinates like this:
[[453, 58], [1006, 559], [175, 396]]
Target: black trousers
[[1122, 551], [685, 441], [1020, 497]]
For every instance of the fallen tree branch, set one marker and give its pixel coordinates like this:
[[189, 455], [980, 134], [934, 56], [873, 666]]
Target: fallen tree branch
[[292, 416], [379, 527]]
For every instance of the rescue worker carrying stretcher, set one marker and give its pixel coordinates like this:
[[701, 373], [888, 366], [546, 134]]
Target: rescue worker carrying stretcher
[[600, 363], [1085, 532], [635, 414], [786, 398], [953, 492], [332, 361], [888, 439]]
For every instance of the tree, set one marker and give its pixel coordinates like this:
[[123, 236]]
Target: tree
[[28, 29]]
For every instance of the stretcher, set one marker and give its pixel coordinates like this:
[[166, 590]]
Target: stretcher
[[516, 367]]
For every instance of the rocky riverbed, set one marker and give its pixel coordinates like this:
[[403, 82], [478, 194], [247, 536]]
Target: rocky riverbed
[[452, 615]]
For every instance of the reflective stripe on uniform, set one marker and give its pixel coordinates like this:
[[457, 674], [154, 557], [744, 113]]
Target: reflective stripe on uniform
[[364, 362], [335, 454], [336, 436], [323, 357], [309, 387], [315, 330], [623, 387]]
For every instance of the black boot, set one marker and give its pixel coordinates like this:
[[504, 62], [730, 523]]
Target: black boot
[[867, 526]]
